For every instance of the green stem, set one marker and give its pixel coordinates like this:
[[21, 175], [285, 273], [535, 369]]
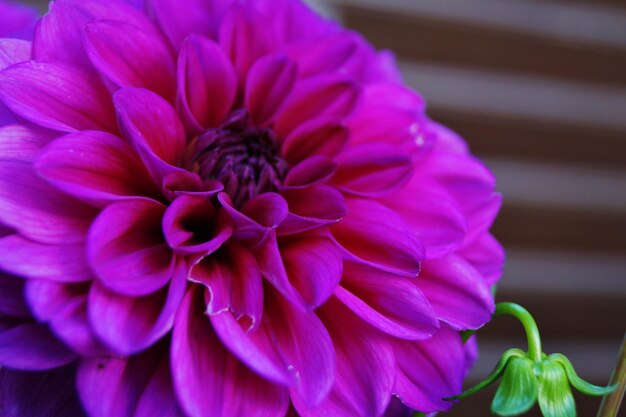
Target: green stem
[[530, 326], [611, 403]]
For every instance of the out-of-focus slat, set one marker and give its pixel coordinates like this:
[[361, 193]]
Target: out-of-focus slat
[[464, 44], [537, 140]]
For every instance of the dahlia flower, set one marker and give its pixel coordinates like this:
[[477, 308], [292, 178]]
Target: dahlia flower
[[230, 208]]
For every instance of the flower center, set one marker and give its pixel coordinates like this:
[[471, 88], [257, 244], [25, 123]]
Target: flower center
[[241, 156]]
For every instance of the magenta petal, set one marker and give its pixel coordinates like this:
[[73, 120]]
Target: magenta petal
[[245, 37], [485, 254], [26, 258], [159, 398], [31, 206], [21, 142], [312, 208], [431, 214], [96, 167], [386, 243], [12, 301], [127, 250], [199, 361], [38, 91], [316, 138], [332, 96], [269, 82], [130, 56], [178, 19], [372, 169], [153, 127], [389, 302], [452, 278], [207, 83], [314, 267], [131, 324], [47, 298], [39, 394], [193, 225], [58, 35], [312, 171], [430, 370], [366, 369], [31, 346], [13, 51]]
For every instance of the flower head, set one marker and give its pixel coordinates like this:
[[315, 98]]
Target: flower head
[[224, 208]]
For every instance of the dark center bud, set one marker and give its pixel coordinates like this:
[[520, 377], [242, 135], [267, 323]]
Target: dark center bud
[[241, 156]]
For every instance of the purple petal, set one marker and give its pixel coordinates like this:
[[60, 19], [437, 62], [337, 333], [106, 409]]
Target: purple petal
[[47, 298], [378, 236], [153, 127], [131, 324], [372, 170], [22, 143], [207, 83], [200, 361], [31, 346], [193, 225], [269, 82], [366, 369], [38, 91], [130, 56], [331, 96], [314, 267], [315, 170], [452, 278], [312, 208], [59, 34], [316, 138], [12, 301], [17, 20], [38, 211], [389, 302], [159, 398], [96, 167], [127, 250], [39, 394], [430, 370], [14, 51], [26, 258]]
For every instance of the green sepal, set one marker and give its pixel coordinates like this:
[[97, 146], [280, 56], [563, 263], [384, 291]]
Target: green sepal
[[493, 376], [579, 383], [517, 392], [555, 395]]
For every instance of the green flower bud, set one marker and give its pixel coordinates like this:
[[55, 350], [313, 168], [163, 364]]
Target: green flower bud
[[517, 392]]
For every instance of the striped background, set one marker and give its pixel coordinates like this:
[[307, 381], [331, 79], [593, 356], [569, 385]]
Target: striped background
[[538, 88]]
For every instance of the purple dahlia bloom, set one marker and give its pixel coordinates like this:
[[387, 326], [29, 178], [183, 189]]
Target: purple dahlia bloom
[[230, 208]]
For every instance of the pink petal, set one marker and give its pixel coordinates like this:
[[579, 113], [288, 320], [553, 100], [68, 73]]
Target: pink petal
[[131, 324], [38, 211], [366, 369], [31, 346], [389, 302], [376, 235], [452, 278], [430, 370], [26, 258], [200, 361], [58, 34], [269, 82], [13, 51], [127, 250], [96, 167], [312, 208], [245, 37], [21, 142], [207, 83], [314, 267], [372, 170], [130, 56], [178, 19], [326, 96], [315, 138], [38, 91], [485, 254], [431, 214], [193, 225], [153, 127]]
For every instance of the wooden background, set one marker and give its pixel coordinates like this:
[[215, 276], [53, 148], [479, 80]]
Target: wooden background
[[538, 88]]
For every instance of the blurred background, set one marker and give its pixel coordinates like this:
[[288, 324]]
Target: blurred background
[[538, 89]]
